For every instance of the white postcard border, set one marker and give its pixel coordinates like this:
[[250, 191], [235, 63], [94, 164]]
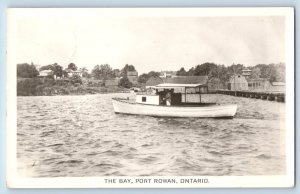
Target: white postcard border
[[15, 181]]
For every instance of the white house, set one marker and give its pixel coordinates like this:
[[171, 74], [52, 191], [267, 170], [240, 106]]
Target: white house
[[71, 73], [237, 82], [45, 73]]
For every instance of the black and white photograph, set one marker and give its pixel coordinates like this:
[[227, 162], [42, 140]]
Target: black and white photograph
[[150, 97]]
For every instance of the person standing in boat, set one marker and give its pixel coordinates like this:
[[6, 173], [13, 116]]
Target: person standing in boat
[[168, 98]]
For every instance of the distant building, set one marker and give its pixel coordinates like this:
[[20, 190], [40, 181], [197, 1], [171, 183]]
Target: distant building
[[46, 73], [155, 80], [246, 73], [71, 73], [278, 87], [240, 83], [167, 74], [132, 76], [237, 83], [259, 84], [112, 83]]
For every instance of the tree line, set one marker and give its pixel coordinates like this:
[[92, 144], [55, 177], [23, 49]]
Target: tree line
[[99, 72], [25, 70], [272, 72]]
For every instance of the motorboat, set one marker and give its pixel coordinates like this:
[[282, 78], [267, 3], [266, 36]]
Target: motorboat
[[173, 100]]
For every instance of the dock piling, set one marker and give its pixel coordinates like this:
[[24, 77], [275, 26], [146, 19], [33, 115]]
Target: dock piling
[[270, 96]]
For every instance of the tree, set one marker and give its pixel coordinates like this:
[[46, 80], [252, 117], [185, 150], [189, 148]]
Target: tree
[[57, 69], [103, 72], [96, 72], [280, 72], [65, 73], [46, 67], [26, 71], [143, 78], [191, 71], [72, 66], [264, 70], [153, 74], [255, 73], [235, 69], [116, 72], [124, 82], [76, 79], [181, 72], [272, 72], [127, 68], [84, 71], [208, 69]]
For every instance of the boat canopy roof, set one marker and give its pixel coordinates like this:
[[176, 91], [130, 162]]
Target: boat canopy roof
[[171, 85]]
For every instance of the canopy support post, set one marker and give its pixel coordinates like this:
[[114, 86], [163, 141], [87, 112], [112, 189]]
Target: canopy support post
[[200, 94], [184, 94]]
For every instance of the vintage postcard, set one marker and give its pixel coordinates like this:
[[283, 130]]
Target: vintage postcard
[[150, 97]]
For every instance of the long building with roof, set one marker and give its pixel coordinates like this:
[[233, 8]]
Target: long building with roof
[[202, 80]]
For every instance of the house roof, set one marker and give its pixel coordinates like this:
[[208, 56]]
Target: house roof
[[246, 70], [257, 79], [171, 85], [72, 71], [162, 73], [154, 80], [278, 83], [132, 73], [187, 80], [200, 80], [237, 79], [68, 70], [46, 71]]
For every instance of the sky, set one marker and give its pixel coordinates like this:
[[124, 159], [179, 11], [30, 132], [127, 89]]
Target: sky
[[157, 43]]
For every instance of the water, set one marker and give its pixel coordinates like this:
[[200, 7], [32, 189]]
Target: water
[[81, 136]]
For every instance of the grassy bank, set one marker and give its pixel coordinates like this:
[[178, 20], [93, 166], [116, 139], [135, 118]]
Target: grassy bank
[[50, 87]]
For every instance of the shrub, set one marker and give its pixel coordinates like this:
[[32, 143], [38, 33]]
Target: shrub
[[26, 71], [77, 84], [28, 87], [75, 79], [124, 82]]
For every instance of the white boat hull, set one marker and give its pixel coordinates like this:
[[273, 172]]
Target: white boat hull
[[214, 111]]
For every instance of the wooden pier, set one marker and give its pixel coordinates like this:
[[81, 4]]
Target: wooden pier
[[271, 96]]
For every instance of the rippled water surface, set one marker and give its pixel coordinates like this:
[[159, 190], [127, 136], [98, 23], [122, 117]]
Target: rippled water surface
[[81, 136]]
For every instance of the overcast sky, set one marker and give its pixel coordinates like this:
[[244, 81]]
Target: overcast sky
[[148, 43]]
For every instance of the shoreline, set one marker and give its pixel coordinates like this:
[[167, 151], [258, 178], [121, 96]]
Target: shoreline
[[75, 94], [51, 87]]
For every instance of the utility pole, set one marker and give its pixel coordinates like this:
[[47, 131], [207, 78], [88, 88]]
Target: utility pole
[[234, 78], [218, 78]]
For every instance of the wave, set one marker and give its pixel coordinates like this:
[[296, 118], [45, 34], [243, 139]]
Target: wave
[[264, 156], [70, 162], [53, 145], [148, 159], [111, 153], [147, 144]]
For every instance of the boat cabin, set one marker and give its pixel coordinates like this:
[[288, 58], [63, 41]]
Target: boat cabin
[[171, 94]]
